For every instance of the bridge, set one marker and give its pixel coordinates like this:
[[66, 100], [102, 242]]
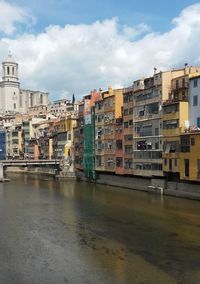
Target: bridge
[[26, 163]]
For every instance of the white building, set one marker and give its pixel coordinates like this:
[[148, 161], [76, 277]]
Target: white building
[[12, 98], [63, 107], [194, 101]]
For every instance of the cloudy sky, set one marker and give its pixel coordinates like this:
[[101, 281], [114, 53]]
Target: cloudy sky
[[68, 46]]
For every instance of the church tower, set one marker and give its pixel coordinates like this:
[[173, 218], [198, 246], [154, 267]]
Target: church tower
[[9, 96]]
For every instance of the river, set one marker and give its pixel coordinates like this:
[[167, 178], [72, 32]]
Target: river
[[75, 232]]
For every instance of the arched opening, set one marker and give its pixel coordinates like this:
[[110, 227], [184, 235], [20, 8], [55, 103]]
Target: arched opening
[[8, 70]]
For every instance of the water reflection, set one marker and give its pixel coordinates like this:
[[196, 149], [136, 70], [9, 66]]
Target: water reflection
[[58, 231]]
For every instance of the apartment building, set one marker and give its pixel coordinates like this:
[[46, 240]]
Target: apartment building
[[99, 135], [194, 100], [175, 118], [190, 156], [107, 111], [119, 151], [128, 130], [148, 122]]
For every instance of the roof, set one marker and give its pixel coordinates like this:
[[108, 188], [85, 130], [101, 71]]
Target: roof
[[194, 75]]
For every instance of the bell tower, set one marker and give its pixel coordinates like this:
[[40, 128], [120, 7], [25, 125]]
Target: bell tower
[[10, 86], [10, 69]]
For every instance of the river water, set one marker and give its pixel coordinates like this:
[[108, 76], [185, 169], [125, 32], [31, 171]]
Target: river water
[[69, 232]]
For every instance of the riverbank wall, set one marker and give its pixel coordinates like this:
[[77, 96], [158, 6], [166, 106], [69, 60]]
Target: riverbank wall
[[152, 185], [32, 170]]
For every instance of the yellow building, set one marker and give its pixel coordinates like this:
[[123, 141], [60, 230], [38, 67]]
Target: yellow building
[[190, 157], [175, 116], [67, 124], [106, 113]]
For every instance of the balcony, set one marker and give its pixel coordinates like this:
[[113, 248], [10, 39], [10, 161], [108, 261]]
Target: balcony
[[109, 151], [146, 117], [180, 86], [119, 152], [99, 152], [99, 168], [154, 99]]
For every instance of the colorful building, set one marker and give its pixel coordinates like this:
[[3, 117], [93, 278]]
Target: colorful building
[[108, 111], [175, 118], [190, 156], [128, 130]]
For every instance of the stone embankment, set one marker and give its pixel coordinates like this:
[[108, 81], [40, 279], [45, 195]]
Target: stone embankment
[[152, 185]]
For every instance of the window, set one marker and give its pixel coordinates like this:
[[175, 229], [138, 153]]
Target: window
[[126, 99], [195, 100], [126, 124], [146, 130], [175, 162], [192, 141], [187, 167], [8, 70], [153, 108], [171, 124], [128, 149], [125, 112], [165, 161], [176, 84], [141, 113], [184, 96], [183, 82], [185, 143], [195, 83], [128, 137], [14, 106], [119, 162], [156, 131], [157, 145], [198, 122], [198, 168], [128, 164], [170, 108]]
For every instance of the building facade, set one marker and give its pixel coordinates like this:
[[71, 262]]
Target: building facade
[[194, 101]]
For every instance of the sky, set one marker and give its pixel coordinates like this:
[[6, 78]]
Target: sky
[[74, 46]]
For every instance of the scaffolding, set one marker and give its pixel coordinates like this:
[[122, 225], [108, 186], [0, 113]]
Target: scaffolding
[[88, 158]]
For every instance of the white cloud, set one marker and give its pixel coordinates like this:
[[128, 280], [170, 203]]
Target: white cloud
[[78, 58], [11, 15]]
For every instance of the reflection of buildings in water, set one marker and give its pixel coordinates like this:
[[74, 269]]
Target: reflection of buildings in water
[[50, 184], [36, 183], [25, 178], [68, 188]]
